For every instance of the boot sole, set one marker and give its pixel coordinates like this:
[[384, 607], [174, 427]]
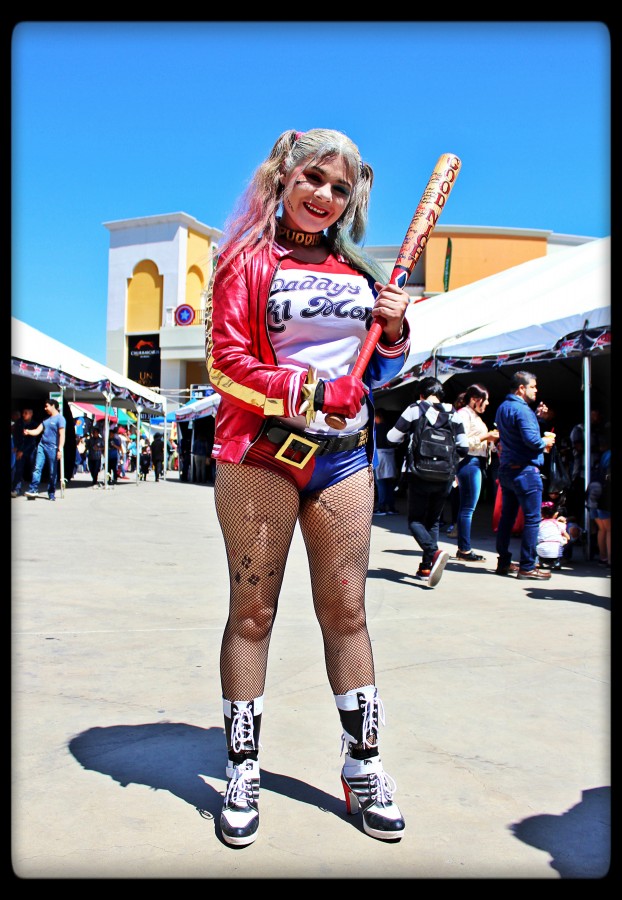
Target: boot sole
[[382, 835], [238, 842]]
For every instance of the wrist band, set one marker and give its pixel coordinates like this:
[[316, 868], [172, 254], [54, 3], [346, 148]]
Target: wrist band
[[309, 395]]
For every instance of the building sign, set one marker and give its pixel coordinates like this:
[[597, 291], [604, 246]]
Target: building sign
[[200, 390], [184, 314], [143, 362]]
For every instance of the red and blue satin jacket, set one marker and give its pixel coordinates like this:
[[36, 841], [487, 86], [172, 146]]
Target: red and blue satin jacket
[[241, 361]]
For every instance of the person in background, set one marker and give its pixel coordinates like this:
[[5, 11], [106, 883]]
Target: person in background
[[577, 499], [171, 455], [520, 481], [14, 418], [144, 461], [427, 498], [131, 449], [49, 450], [471, 405], [546, 417], [157, 456], [288, 310], [199, 459], [450, 528], [25, 450], [95, 448], [123, 453], [599, 497], [114, 456], [385, 472], [80, 455], [185, 457]]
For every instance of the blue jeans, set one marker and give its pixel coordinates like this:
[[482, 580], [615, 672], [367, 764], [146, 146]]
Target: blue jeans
[[520, 487], [470, 475], [45, 454], [24, 468]]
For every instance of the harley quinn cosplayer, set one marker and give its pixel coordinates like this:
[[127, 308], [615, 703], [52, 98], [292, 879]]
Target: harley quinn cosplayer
[[289, 306]]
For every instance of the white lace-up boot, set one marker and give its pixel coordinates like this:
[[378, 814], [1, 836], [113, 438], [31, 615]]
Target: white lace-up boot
[[239, 819], [366, 785]]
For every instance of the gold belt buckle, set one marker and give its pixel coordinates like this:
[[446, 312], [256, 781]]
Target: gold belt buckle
[[296, 445]]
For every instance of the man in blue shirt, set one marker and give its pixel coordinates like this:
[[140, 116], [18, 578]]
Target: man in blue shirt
[[520, 458], [50, 449]]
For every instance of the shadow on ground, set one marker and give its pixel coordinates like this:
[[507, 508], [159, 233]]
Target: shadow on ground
[[175, 757], [579, 841]]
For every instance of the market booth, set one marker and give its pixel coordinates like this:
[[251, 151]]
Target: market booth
[[42, 366], [195, 422]]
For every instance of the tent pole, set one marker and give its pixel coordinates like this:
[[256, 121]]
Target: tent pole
[[165, 462], [108, 398], [62, 456], [587, 444], [139, 409]]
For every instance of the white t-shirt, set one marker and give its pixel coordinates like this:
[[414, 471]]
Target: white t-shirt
[[318, 315], [550, 542]]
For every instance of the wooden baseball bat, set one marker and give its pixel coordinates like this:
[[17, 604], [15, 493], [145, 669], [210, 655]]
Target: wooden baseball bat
[[422, 224]]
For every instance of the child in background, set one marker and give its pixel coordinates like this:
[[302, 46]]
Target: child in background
[[552, 537], [144, 461]]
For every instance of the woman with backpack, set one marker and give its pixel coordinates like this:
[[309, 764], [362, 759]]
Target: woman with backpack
[[436, 441]]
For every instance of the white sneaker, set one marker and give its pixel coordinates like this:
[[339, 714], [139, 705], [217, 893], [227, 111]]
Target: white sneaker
[[439, 561], [32, 495]]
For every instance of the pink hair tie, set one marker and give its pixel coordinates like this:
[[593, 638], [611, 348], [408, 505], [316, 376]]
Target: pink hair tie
[[299, 134], [547, 504]]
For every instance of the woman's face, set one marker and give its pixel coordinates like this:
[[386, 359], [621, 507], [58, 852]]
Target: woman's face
[[479, 404], [317, 196]]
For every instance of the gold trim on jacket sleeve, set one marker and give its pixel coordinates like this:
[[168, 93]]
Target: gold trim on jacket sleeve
[[272, 406]]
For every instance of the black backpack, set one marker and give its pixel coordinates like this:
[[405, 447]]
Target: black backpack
[[432, 453]]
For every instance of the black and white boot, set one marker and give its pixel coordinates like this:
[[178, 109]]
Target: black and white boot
[[239, 819], [366, 785]]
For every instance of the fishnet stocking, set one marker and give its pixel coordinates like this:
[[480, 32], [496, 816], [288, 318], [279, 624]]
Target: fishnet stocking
[[257, 511]]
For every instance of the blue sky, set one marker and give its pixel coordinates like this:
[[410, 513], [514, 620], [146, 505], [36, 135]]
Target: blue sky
[[114, 120]]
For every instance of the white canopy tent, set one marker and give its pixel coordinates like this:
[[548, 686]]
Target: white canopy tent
[[196, 409], [40, 365], [524, 309]]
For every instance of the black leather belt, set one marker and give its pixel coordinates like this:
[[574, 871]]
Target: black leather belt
[[297, 447]]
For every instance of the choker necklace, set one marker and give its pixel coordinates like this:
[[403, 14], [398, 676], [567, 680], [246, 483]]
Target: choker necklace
[[303, 238]]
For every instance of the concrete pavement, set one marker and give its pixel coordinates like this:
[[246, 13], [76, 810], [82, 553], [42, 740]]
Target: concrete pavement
[[496, 695]]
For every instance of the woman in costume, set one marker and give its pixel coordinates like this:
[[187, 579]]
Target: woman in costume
[[289, 307]]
